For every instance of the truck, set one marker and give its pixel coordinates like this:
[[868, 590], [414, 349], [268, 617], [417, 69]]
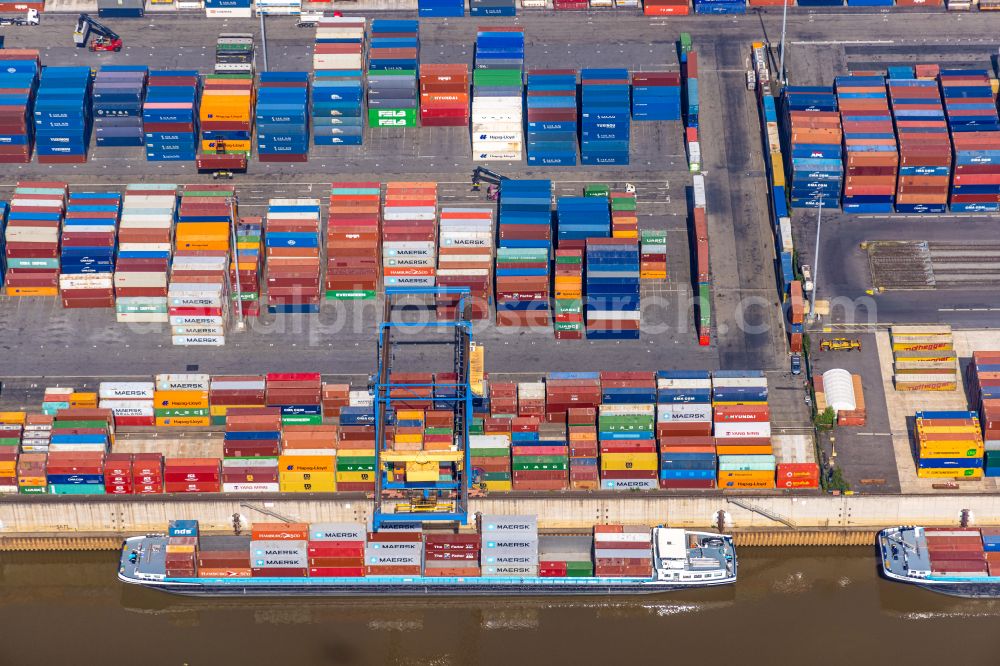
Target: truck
[[30, 18]]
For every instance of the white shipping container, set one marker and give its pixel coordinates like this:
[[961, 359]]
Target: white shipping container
[[141, 317], [622, 410], [198, 330], [360, 399], [497, 157], [496, 146], [182, 382], [198, 341], [684, 383], [742, 430], [125, 390], [624, 537], [698, 182], [785, 231], [309, 452], [615, 315], [251, 488], [739, 382], [489, 441], [120, 409], [229, 12], [409, 281], [701, 412]]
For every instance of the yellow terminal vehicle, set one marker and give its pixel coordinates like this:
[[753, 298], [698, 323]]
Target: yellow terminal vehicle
[[840, 344]]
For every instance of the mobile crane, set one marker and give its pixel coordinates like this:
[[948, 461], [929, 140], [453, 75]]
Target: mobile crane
[[105, 39]]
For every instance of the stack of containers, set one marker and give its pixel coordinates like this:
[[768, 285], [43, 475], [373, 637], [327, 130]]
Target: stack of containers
[[684, 429], [226, 114], [525, 245], [624, 220], [975, 135], [279, 550], [653, 254], [813, 139], [503, 400], [409, 234], [198, 298], [924, 146], [338, 69], [626, 434], [181, 559], [31, 478], [336, 550], [489, 457], [131, 403], [869, 143], [298, 395], [308, 459], [244, 268], [656, 96], [605, 117], [580, 219], [62, 115], [796, 316], [465, 259], [394, 554], [8, 464], [742, 429], [356, 449], [282, 117], [170, 116], [87, 260], [924, 358], [293, 261], [692, 101], [145, 241], [32, 238], [119, 91], [584, 471], [497, 81], [623, 551], [612, 285], [37, 433], [393, 54], [552, 117], [568, 297], [353, 241], [537, 464], [231, 394], [181, 401], [444, 95], [959, 552], [451, 554], [250, 448], [18, 78], [983, 375], [509, 546], [4, 209], [949, 445], [440, 8]]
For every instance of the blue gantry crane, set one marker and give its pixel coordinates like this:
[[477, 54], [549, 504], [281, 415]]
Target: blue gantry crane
[[417, 494]]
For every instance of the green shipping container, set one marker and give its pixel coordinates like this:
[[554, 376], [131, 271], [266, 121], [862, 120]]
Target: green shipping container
[[392, 117], [32, 490], [596, 190], [489, 453], [72, 425], [175, 413], [540, 460], [705, 306], [76, 489], [568, 326], [494, 476], [551, 467], [302, 419], [141, 308], [355, 468], [335, 295]]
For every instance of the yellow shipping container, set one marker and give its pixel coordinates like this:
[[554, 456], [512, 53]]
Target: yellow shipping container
[[32, 291], [187, 231], [408, 438], [951, 473], [625, 233], [183, 421], [952, 450], [742, 449], [947, 430], [180, 399], [13, 417], [218, 410], [318, 482], [32, 481], [777, 169], [8, 467], [180, 548], [499, 486], [211, 145], [355, 453], [627, 461], [653, 275], [746, 480], [83, 400], [306, 464], [355, 477], [410, 415]]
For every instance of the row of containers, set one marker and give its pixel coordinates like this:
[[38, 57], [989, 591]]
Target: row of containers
[[181, 115], [456, 8], [295, 433], [922, 140], [121, 252]]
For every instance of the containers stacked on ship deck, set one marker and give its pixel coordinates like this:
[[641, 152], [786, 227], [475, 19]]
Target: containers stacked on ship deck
[[983, 375], [626, 429], [279, 550], [409, 234], [452, 554], [282, 117], [145, 242], [170, 115], [19, 80], [509, 546], [612, 285], [605, 117], [656, 96], [444, 95], [465, 259], [923, 358], [298, 395], [960, 551], [245, 265], [62, 115], [623, 551], [338, 64], [524, 251], [742, 430], [552, 117], [561, 556], [579, 219], [356, 449], [293, 255], [684, 429], [198, 295], [353, 241], [336, 550], [924, 146], [869, 143], [949, 445], [813, 138], [497, 104], [32, 238], [394, 554], [975, 136], [250, 448], [393, 54], [119, 92], [131, 403], [489, 457], [89, 240], [692, 101], [568, 297]]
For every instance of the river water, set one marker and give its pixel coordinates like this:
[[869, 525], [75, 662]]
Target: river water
[[791, 606]]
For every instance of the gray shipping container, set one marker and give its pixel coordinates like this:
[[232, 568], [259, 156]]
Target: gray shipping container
[[518, 524], [523, 572], [623, 553], [392, 104], [401, 549], [337, 532]]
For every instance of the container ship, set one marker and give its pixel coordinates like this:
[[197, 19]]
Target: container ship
[[505, 556], [959, 561]]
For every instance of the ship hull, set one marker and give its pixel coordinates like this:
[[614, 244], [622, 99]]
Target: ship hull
[[965, 589]]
